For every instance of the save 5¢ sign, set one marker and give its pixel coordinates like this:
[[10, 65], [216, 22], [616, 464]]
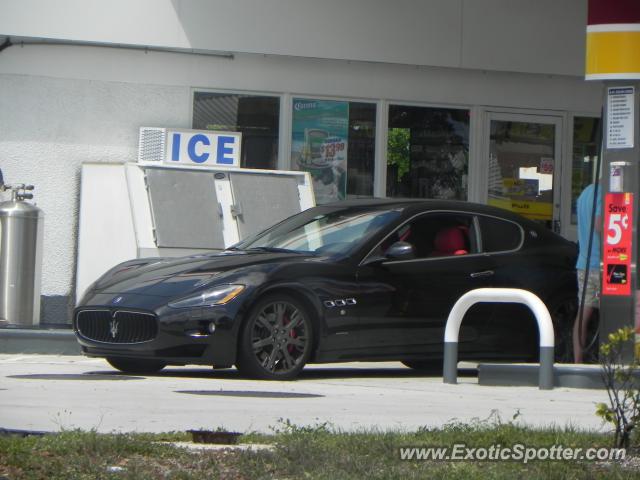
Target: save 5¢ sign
[[617, 244]]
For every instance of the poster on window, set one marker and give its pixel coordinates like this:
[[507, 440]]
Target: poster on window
[[616, 253], [320, 134]]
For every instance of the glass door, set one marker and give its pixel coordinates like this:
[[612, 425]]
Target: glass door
[[523, 165]]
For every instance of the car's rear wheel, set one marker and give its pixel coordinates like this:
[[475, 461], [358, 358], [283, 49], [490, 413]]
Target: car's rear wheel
[[276, 340], [136, 365]]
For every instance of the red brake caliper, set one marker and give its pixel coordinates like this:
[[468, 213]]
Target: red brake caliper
[[292, 334]]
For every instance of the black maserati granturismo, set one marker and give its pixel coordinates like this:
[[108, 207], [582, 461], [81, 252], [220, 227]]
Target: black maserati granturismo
[[357, 280]]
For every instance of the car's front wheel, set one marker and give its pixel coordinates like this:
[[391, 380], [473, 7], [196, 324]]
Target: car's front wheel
[[276, 340], [136, 365]]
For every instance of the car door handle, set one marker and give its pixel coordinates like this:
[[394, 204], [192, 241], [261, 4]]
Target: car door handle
[[486, 273]]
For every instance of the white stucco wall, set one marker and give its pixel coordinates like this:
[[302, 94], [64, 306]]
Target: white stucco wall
[[49, 126], [307, 76], [542, 36]]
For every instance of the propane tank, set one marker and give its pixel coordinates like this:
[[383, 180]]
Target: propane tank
[[21, 229]]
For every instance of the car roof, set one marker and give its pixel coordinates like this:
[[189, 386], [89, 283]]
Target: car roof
[[421, 204], [412, 206]]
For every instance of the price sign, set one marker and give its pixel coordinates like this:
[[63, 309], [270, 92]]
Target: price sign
[[546, 166], [616, 275], [332, 147]]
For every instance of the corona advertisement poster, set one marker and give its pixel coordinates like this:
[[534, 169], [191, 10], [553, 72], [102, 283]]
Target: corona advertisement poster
[[319, 144]]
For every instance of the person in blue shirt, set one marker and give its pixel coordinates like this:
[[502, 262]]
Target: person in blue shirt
[[592, 295]]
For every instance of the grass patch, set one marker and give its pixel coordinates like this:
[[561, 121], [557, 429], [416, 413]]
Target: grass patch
[[315, 452]]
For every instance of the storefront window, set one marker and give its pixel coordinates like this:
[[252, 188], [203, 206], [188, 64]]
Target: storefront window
[[585, 155], [521, 168], [427, 152], [335, 142], [256, 117]]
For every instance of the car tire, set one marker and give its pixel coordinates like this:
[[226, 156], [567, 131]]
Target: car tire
[[424, 365], [563, 310], [136, 365], [270, 347]]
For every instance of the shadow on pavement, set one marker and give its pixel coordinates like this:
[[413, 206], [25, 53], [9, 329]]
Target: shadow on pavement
[[90, 376], [250, 394], [315, 373]]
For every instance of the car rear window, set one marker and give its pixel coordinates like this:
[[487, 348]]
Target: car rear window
[[499, 235]]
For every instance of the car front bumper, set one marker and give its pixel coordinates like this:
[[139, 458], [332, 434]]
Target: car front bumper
[[205, 336]]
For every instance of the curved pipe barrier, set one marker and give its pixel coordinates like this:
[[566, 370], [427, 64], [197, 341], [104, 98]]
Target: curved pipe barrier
[[499, 295]]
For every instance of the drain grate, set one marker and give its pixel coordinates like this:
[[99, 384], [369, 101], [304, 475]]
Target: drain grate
[[214, 437], [249, 394]]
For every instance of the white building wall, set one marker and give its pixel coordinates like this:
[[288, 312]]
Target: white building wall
[[266, 73], [545, 36], [48, 127]]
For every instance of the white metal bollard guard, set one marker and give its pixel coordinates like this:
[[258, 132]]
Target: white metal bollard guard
[[499, 295]]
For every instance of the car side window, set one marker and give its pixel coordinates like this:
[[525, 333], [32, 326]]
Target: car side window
[[435, 235], [499, 235]]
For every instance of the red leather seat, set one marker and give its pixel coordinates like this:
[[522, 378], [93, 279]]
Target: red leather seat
[[449, 241]]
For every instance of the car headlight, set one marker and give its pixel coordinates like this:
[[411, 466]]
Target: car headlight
[[218, 295]]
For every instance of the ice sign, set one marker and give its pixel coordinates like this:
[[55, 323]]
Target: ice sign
[[203, 148]]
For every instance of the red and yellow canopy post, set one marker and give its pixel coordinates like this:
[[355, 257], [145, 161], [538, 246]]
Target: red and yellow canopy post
[[613, 55], [613, 40]]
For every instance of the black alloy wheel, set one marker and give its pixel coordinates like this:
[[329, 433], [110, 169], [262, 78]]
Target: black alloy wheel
[[276, 340], [136, 365]]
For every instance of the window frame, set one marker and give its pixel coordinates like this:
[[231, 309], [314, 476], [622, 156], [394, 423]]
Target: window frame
[[498, 252], [370, 255], [472, 168], [256, 93], [570, 228], [288, 163]]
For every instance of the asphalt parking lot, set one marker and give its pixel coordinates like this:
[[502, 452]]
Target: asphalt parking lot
[[49, 393]]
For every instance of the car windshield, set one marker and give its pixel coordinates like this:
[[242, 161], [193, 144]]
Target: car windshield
[[322, 230]]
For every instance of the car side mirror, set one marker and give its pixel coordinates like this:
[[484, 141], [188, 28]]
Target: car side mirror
[[401, 251]]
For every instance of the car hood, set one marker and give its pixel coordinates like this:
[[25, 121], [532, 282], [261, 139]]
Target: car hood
[[173, 277]]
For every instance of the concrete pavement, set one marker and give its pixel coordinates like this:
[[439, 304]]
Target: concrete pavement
[[41, 392]]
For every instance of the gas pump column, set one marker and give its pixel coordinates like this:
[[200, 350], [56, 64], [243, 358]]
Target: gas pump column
[[613, 56]]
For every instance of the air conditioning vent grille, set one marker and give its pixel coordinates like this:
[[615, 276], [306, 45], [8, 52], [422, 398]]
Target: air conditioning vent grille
[[151, 144]]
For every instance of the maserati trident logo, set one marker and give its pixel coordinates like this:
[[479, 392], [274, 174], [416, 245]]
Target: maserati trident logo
[[113, 328]]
